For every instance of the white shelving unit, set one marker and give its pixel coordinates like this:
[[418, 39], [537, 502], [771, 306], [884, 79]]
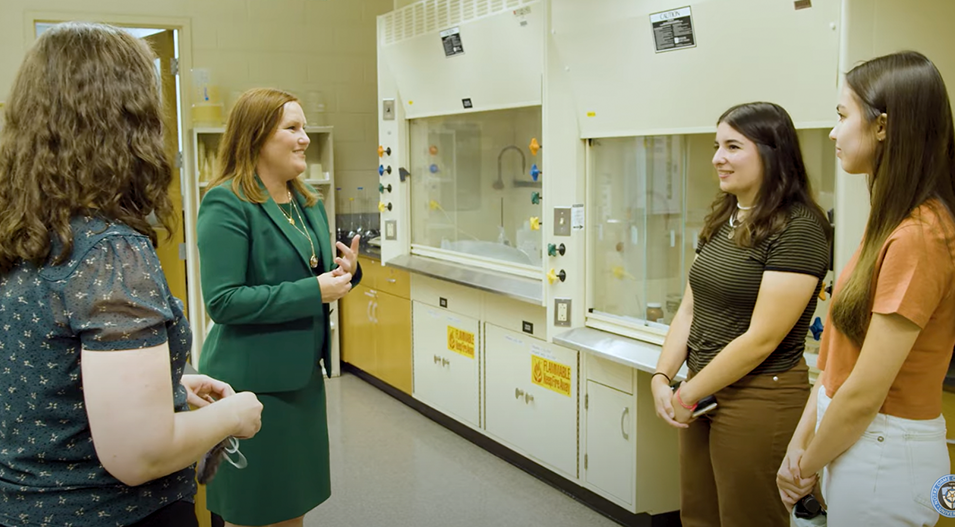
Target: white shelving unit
[[205, 146]]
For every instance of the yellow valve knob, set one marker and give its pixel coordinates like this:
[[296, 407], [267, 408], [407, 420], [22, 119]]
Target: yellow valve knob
[[382, 206], [535, 223], [534, 146], [434, 205], [381, 151], [552, 276]]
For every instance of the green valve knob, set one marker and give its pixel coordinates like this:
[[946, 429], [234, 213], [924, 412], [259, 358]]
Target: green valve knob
[[536, 198], [551, 249]]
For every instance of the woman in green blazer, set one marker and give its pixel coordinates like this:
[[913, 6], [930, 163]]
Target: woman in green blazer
[[268, 275]]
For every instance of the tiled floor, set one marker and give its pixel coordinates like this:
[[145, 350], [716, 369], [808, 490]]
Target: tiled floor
[[393, 467]]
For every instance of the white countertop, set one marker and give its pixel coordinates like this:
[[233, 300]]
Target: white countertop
[[629, 352]]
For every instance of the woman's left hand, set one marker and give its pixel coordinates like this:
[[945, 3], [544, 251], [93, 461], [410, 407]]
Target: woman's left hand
[[203, 390], [348, 261], [681, 414]]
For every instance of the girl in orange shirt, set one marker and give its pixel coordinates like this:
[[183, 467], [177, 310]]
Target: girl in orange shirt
[[873, 424]]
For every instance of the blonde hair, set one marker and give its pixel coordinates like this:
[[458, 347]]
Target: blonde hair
[[252, 121]]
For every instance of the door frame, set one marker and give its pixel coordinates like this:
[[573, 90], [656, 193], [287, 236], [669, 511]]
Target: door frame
[[186, 176]]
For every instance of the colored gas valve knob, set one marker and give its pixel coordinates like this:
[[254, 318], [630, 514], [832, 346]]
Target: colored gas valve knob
[[553, 276], [382, 188], [534, 147], [535, 223], [434, 169], [382, 151], [382, 169], [554, 250], [535, 172], [536, 198], [816, 328], [382, 207]]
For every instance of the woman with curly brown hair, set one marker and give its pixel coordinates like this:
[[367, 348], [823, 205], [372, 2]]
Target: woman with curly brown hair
[[94, 427]]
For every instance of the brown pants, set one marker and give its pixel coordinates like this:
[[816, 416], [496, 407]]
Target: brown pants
[[729, 458]]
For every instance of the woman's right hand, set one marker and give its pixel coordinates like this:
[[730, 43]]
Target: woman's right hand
[[792, 486], [662, 394], [334, 285], [247, 411]]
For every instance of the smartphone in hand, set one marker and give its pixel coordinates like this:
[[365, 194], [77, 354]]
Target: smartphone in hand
[[703, 406]]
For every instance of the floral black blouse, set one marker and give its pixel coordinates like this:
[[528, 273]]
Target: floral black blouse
[[110, 295]]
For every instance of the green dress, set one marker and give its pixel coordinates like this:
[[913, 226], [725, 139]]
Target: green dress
[[271, 330]]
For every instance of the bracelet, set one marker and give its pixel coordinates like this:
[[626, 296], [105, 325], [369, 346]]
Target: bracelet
[[669, 381], [680, 400]]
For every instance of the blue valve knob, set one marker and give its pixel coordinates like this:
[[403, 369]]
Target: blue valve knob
[[433, 169], [816, 329], [535, 172], [381, 170]]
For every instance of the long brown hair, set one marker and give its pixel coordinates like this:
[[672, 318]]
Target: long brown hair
[[252, 121], [915, 164], [785, 182], [83, 135]]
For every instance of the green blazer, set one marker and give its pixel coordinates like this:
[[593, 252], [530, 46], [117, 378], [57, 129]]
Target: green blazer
[[271, 327]]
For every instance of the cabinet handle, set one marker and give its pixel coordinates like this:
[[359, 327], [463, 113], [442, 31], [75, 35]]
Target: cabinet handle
[[437, 359], [528, 398], [445, 362], [626, 412], [374, 312], [518, 393], [368, 310], [370, 294], [392, 281]]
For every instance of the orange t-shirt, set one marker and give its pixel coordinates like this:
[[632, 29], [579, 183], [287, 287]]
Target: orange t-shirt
[[915, 278]]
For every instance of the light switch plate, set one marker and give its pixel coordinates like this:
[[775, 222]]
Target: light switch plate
[[388, 110], [561, 221], [391, 230], [562, 312]]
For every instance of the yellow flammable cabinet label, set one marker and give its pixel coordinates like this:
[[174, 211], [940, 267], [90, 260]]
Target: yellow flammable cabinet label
[[551, 375], [460, 341]]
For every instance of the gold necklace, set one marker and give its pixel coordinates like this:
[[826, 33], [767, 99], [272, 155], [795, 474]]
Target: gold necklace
[[313, 261], [288, 215]]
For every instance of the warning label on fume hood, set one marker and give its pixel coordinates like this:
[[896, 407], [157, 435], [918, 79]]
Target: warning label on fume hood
[[451, 39], [673, 30]]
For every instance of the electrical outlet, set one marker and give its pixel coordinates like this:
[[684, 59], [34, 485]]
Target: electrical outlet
[[391, 230], [562, 312]]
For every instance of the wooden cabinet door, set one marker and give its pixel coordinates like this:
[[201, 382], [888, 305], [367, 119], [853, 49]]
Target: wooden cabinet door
[[393, 340], [358, 328], [611, 448]]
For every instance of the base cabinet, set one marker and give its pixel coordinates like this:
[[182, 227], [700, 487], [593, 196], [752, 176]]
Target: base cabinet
[[609, 460], [532, 397], [447, 354], [376, 326]]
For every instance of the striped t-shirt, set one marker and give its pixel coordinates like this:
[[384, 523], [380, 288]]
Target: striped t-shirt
[[725, 280]]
